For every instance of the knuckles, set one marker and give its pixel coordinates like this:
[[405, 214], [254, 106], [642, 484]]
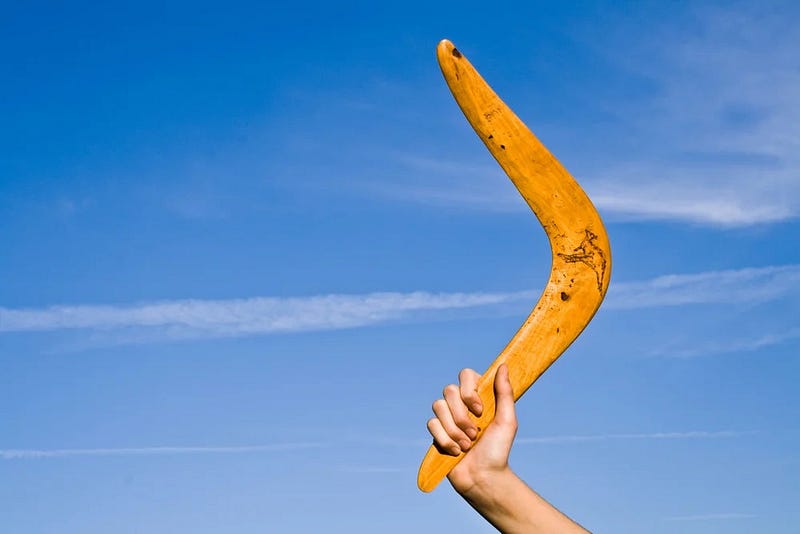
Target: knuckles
[[450, 390], [466, 374], [438, 405]]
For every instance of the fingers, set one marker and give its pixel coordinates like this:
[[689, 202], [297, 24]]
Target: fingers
[[452, 429], [441, 439], [505, 413], [459, 412], [444, 413], [469, 390]]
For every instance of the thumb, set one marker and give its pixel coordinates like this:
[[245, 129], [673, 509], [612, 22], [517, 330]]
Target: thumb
[[505, 412]]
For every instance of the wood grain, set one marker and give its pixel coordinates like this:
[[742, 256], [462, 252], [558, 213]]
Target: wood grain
[[581, 255]]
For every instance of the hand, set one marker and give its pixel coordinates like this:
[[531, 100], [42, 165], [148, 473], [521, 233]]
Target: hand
[[454, 432], [483, 476]]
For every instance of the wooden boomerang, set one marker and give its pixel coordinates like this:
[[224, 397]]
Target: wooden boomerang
[[581, 264]]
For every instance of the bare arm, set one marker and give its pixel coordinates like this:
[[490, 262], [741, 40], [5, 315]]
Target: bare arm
[[483, 478]]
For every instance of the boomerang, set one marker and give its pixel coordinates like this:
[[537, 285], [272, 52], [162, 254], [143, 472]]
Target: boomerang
[[581, 256]]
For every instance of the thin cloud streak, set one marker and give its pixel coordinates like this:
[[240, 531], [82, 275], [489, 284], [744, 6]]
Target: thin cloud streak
[[711, 287], [701, 434], [697, 200], [710, 517], [738, 345], [25, 454], [258, 315], [701, 195], [192, 319], [34, 454]]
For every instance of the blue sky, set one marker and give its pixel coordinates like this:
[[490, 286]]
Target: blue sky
[[246, 245]]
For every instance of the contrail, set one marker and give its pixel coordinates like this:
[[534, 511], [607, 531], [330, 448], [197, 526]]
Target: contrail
[[709, 517], [192, 319], [700, 434], [237, 317], [20, 454]]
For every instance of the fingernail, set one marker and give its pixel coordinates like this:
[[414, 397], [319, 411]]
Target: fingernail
[[472, 433], [465, 445]]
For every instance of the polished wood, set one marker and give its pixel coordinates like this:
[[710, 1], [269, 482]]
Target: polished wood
[[581, 255]]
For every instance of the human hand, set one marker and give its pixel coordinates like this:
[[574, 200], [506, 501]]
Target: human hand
[[454, 431]]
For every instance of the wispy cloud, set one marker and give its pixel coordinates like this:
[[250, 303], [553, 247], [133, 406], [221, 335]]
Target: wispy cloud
[[238, 317], [710, 287], [712, 142], [700, 434], [731, 346], [186, 319], [637, 191], [718, 137], [32, 454], [22, 454], [709, 517], [698, 200]]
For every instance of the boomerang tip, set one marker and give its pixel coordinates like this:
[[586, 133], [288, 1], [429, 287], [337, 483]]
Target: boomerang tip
[[425, 486], [427, 480], [446, 48]]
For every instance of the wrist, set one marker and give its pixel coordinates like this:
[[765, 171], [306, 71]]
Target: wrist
[[483, 483]]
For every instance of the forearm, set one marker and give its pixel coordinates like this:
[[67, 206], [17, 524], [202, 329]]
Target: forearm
[[512, 507]]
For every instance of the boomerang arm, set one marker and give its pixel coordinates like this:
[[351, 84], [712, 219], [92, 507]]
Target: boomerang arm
[[581, 255]]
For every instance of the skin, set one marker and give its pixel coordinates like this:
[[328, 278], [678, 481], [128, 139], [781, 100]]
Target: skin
[[483, 478]]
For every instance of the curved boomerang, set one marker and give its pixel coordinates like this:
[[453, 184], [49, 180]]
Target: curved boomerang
[[581, 263]]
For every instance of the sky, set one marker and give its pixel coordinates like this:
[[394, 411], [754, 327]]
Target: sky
[[246, 245]]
